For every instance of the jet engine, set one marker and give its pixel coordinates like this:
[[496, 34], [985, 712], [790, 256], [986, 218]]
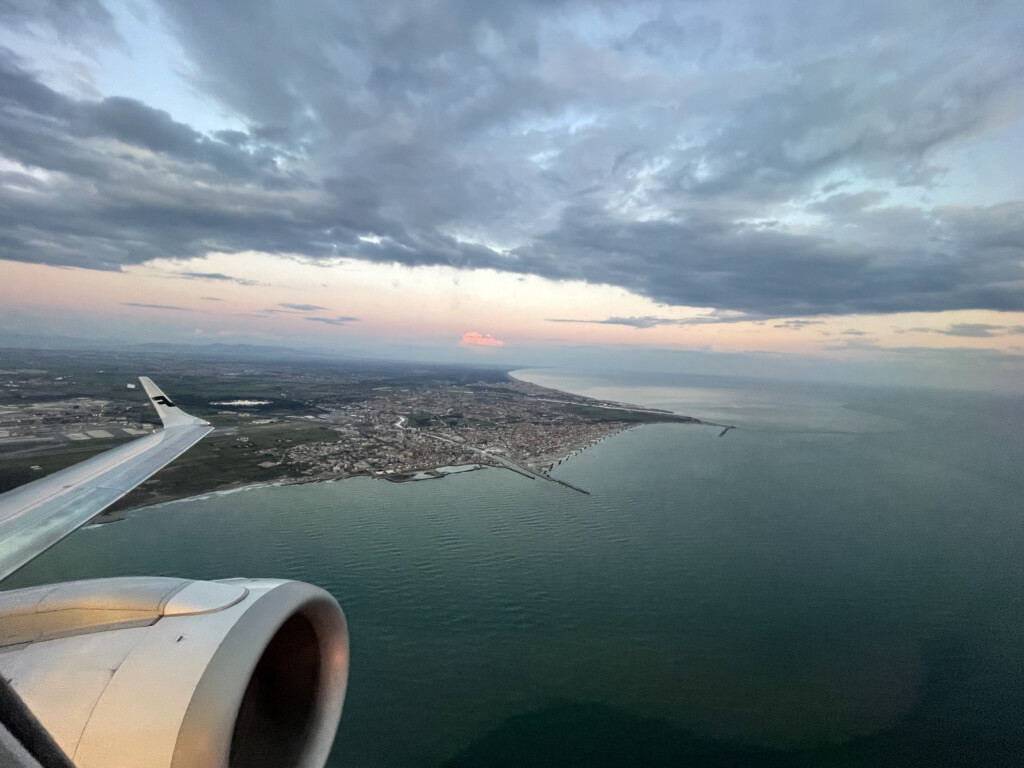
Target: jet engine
[[154, 672]]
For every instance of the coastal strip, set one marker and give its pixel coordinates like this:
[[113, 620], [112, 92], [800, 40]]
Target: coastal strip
[[397, 427], [511, 465]]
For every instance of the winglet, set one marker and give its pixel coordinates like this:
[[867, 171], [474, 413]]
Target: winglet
[[170, 414]]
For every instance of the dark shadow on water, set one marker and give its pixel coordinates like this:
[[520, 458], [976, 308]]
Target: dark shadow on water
[[955, 724], [584, 734], [578, 734]]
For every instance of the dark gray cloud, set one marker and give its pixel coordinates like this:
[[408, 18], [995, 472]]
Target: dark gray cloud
[[704, 261], [334, 320], [49, 130], [82, 23], [747, 159], [302, 307]]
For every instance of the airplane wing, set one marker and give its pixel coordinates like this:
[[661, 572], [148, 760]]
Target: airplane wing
[[154, 672], [36, 516]]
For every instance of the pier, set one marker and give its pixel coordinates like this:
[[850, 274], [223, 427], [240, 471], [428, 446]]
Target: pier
[[515, 466]]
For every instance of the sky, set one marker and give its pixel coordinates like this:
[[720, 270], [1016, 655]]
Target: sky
[[767, 187]]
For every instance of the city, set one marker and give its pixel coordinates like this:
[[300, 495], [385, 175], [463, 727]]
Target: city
[[302, 422]]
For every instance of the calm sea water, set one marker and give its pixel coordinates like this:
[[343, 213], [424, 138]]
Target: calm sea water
[[838, 581]]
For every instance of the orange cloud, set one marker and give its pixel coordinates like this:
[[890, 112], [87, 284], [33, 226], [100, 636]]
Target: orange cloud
[[472, 338]]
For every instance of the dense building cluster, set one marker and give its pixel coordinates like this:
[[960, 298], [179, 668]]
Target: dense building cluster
[[389, 451], [403, 431]]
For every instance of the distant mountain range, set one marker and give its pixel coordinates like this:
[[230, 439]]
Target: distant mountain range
[[218, 350]]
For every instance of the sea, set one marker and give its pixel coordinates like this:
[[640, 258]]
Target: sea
[[838, 581]]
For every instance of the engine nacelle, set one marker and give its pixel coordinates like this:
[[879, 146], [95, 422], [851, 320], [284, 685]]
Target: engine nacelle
[[155, 672]]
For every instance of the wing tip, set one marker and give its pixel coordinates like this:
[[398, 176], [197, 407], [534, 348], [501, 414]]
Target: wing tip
[[170, 414]]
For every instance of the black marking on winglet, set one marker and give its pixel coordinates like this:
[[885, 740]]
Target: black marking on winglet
[[162, 399]]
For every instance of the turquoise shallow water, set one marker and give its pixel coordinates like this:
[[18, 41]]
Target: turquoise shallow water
[[836, 582]]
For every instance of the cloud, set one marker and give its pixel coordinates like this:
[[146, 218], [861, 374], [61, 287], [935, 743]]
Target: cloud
[[214, 276], [476, 339], [765, 161], [649, 321], [293, 309], [964, 358], [85, 23], [844, 203], [797, 325], [633, 322], [333, 320], [975, 330], [707, 261], [156, 306], [863, 344], [210, 298]]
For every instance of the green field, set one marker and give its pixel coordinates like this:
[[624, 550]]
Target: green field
[[596, 413], [223, 461], [17, 470]]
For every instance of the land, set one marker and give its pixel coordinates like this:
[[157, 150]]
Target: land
[[288, 420]]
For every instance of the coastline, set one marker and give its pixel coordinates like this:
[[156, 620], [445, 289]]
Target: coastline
[[612, 404], [533, 466], [616, 405], [436, 473]]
